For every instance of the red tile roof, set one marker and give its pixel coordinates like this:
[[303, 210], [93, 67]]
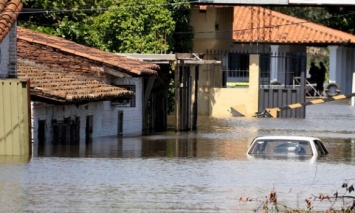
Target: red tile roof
[[62, 87], [257, 24], [9, 11], [43, 44]]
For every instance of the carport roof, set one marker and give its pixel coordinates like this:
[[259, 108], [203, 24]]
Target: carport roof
[[189, 58], [258, 24]]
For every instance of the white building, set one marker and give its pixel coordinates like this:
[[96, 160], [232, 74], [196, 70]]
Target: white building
[[79, 92]]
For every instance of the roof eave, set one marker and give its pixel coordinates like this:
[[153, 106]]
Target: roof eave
[[58, 101], [309, 43]]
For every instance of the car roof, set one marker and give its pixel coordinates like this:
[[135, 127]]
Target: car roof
[[286, 137]]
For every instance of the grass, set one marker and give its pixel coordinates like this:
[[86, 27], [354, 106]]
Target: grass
[[237, 84]]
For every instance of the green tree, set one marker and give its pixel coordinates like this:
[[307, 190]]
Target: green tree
[[183, 34], [60, 17], [147, 23], [341, 18], [312, 14], [135, 26]]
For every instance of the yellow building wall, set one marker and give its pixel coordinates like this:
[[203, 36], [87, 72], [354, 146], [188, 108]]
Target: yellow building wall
[[213, 36], [212, 28], [14, 117], [218, 102]]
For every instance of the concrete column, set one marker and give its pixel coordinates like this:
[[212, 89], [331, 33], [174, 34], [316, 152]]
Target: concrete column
[[349, 70], [336, 65], [353, 91], [334, 62], [253, 83], [343, 70], [177, 95], [352, 64], [274, 62]]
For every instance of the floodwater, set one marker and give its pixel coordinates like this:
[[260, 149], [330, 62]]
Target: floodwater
[[202, 171]]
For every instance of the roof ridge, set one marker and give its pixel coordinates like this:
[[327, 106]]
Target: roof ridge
[[320, 28], [284, 28], [126, 64], [304, 22]]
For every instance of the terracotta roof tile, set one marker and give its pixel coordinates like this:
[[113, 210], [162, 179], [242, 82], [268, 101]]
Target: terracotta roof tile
[[128, 65], [66, 87], [9, 11], [257, 24]]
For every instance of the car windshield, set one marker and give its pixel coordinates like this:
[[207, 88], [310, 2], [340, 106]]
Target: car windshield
[[281, 147]]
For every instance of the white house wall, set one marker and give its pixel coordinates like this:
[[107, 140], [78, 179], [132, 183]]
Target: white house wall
[[99, 147], [133, 116], [8, 55], [12, 60], [5, 56], [342, 67], [349, 65], [105, 115]]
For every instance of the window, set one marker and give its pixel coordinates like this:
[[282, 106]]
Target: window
[[66, 131], [131, 102], [238, 65], [265, 65], [281, 147], [320, 148]]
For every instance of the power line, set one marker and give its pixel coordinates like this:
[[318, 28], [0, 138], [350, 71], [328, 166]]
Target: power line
[[200, 32], [36, 11]]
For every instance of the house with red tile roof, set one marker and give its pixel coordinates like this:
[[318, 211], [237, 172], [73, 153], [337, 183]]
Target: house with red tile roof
[[14, 100], [79, 92], [9, 11], [233, 33]]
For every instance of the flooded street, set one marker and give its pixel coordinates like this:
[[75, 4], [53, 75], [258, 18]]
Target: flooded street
[[203, 171]]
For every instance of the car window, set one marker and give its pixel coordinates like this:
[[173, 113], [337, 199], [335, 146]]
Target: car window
[[281, 147], [258, 147], [320, 147]]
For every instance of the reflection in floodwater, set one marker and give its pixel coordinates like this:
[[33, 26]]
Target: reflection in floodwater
[[169, 145], [15, 159], [203, 171], [190, 145]]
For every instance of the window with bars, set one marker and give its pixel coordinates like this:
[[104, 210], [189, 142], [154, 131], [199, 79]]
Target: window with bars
[[238, 65], [131, 102]]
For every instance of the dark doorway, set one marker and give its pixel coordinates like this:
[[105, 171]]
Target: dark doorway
[[89, 127], [120, 123], [66, 131], [41, 134]]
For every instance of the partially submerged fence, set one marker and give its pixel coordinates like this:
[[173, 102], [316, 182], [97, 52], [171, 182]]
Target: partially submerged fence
[[276, 77]]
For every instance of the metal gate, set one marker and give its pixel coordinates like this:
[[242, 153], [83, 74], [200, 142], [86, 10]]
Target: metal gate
[[278, 94], [278, 97], [277, 74]]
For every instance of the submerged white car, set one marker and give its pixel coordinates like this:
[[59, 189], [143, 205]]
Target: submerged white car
[[287, 146]]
